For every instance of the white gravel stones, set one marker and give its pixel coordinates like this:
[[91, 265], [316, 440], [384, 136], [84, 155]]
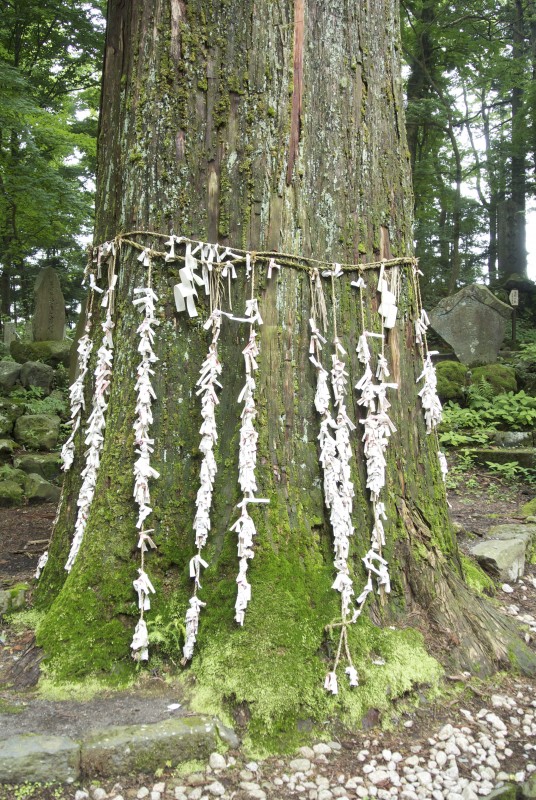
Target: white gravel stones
[[81, 794], [142, 793], [217, 761]]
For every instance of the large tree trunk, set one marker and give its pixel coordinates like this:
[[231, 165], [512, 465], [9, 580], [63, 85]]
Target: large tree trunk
[[271, 126]]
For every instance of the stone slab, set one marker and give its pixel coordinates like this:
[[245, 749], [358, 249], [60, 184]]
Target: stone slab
[[502, 558], [36, 758], [473, 321], [513, 530], [48, 321], [146, 748]]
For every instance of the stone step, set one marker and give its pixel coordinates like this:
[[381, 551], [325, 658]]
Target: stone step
[[116, 751], [524, 456]]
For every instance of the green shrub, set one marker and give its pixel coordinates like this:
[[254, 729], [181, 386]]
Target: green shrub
[[500, 377], [451, 380]]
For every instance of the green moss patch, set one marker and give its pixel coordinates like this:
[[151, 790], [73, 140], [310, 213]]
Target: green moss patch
[[500, 377], [451, 380], [475, 577]]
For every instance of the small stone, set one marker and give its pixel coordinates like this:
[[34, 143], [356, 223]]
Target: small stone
[[507, 588], [252, 766], [441, 758], [81, 794], [246, 775], [335, 745], [378, 776], [216, 789], [324, 794], [322, 749], [307, 752], [217, 761], [408, 724], [446, 732], [159, 787], [300, 765], [196, 793], [143, 792], [99, 794]]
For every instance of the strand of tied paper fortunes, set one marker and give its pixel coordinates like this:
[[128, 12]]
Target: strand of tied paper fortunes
[[335, 455], [430, 401], [96, 423], [244, 527], [208, 384], [145, 300], [378, 429], [76, 390]]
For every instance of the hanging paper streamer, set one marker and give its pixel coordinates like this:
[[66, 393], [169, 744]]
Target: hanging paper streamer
[[144, 300], [431, 403], [208, 384], [335, 456], [244, 527], [41, 564], [76, 394], [378, 428], [94, 438]]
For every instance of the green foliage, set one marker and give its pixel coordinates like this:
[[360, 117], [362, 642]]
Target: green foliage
[[35, 403], [451, 380], [512, 472], [509, 411], [500, 377], [49, 74]]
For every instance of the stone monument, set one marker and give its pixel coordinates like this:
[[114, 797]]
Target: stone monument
[[473, 321], [49, 316]]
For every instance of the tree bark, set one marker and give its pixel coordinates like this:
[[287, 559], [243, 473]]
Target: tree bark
[[197, 136]]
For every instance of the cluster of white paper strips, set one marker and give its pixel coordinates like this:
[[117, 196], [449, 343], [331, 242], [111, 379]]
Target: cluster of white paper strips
[[430, 401], [208, 383], [244, 527], [144, 299], [94, 434], [334, 437]]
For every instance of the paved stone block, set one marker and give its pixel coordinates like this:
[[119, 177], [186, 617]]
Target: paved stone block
[[32, 758], [146, 748]]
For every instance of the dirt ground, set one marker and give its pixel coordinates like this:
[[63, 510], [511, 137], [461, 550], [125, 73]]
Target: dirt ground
[[478, 502]]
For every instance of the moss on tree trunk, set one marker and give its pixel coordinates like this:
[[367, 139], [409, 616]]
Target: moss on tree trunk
[[198, 134]]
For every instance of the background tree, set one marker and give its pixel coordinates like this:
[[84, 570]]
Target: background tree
[[49, 74], [470, 94], [273, 127]]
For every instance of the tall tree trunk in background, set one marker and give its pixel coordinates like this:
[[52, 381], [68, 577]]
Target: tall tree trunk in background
[[272, 126], [518, 254]]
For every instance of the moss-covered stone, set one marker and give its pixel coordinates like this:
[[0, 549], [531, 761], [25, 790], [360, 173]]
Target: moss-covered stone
[[8, 473], [475, 577], [451, 380], [11, 494], [51, 353], [10, 410], [500, 376], [38, 431], [7, 447], [39, 490], [9, 375], [48, 465], [529, 509], [14, 598]]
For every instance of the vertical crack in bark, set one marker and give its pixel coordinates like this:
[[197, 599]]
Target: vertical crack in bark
[[297, 90], [177, 14]]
